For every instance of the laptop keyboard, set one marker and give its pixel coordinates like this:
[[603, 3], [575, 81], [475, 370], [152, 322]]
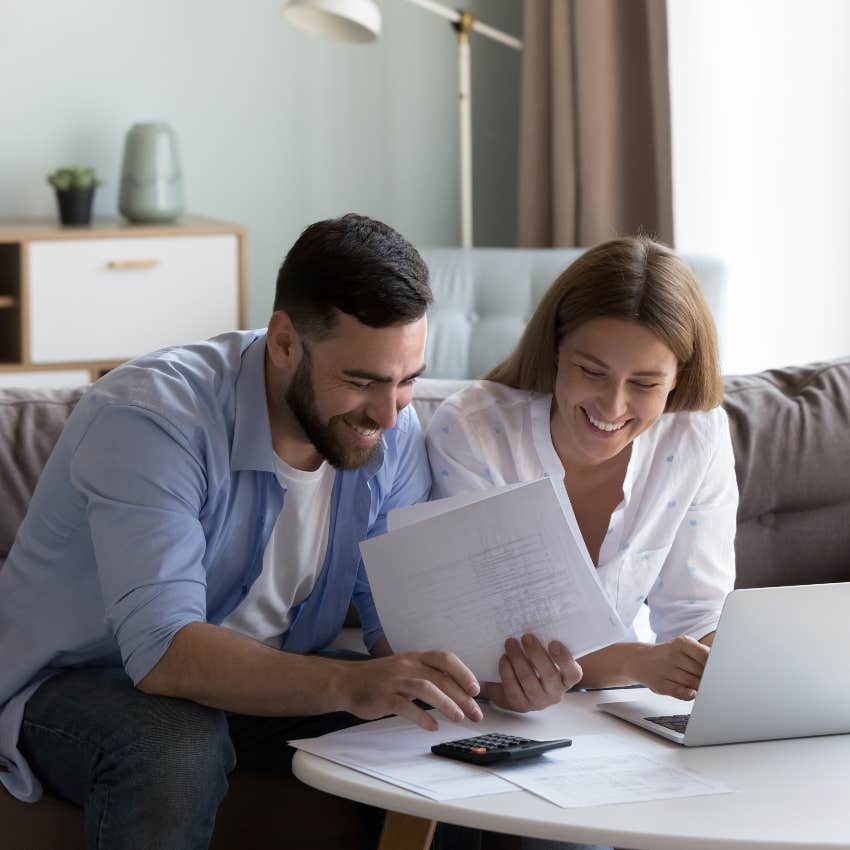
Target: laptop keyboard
[[676, 722]]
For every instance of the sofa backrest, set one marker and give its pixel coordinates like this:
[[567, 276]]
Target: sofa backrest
[[791, 435], [483, 298], [790, 432], [30, 422]]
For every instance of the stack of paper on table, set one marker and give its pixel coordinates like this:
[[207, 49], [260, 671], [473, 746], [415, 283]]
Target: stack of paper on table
[[596, 770], [463, 574]]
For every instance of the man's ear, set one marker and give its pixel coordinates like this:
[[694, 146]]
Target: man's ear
[[283, 342]]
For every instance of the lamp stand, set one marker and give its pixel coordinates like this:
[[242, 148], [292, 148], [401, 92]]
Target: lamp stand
[[464, 27], [360, 21], [465, 23]]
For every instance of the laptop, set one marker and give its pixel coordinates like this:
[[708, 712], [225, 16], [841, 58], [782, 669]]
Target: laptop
[[779, 668]]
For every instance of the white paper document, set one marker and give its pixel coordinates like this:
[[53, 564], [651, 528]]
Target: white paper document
[[596, 770], [411, 514], [511, 562], [571, 779], [402, 756]]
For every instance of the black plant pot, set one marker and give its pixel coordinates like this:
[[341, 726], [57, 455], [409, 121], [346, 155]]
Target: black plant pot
[[75, 206]]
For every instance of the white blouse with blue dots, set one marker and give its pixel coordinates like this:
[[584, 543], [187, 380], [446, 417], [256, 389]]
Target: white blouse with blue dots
[[670, 542]]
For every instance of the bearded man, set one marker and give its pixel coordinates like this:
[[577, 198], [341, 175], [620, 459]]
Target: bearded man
[[192, 547]]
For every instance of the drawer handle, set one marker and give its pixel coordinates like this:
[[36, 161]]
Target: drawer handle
[[132, 264]]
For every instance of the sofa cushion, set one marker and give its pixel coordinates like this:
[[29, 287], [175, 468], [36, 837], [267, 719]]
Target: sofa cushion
[[791, 436], [30, 422]]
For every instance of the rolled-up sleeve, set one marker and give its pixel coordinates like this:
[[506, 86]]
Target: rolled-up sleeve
[[699, 570], [143, 487]]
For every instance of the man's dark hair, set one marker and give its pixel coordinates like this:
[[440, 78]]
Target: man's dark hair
[[356, 265]]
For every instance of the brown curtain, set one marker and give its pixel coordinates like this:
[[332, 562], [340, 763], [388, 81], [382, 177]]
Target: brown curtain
[[595, 127]]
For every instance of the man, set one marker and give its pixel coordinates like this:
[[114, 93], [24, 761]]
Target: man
[[193, 541]]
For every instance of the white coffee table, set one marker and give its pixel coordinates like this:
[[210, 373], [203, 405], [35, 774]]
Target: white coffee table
[[793, 795]]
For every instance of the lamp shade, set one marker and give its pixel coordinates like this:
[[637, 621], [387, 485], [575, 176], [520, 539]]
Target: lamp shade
[[342, 20]]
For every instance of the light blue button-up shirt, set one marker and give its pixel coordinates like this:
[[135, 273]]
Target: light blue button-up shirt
[[153, 512]]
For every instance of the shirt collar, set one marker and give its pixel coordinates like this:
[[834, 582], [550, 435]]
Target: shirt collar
[[252, 433]]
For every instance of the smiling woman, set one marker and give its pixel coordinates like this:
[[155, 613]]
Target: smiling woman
[[613, 390]]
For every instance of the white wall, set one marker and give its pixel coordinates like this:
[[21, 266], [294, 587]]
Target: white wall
[[276, 129], [761, 168]]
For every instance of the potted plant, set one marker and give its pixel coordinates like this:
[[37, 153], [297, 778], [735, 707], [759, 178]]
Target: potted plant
[[74, 193]]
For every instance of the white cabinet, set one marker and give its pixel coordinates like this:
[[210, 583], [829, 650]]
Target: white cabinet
[[90, 298]]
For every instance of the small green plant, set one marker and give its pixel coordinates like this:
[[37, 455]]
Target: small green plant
[[73, 178]]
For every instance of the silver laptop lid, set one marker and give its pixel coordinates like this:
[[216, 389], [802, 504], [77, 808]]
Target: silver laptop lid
[[779, 667]]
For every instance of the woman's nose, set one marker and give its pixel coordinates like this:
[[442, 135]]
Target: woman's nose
[[612, 401]]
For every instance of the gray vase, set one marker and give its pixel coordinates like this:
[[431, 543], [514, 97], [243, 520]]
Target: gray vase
[[151, 179]]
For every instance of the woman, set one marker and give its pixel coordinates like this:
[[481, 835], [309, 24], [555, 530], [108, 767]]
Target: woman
[[614, 389]]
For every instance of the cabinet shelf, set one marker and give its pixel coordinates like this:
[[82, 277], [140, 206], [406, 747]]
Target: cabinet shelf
[[78, 300]]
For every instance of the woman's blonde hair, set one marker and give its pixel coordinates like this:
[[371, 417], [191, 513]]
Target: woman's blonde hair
[[631, 278]]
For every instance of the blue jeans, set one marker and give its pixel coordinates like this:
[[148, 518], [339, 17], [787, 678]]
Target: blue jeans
[[149, 771]]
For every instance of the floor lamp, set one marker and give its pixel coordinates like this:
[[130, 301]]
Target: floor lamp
[[360, 21]]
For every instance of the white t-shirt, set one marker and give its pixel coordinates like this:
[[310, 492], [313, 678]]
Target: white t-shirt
[[293, 557], [670, 541]]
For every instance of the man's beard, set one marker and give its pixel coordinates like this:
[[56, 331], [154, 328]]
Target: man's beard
[[326, 438]]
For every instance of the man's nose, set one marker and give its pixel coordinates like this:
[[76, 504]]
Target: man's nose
[[383, 408]]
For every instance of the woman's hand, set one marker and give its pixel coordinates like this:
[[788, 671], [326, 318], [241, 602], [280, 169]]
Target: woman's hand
[[532, 677], [673, 668]]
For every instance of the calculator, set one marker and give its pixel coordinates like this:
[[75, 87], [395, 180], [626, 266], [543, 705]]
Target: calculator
[[495, 747]]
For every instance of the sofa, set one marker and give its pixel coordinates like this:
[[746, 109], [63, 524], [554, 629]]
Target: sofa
[[791, 436]]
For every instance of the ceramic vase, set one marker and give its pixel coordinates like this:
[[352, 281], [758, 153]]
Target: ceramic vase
[[151, 179]]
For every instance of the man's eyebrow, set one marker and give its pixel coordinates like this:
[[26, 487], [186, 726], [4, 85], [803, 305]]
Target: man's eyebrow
[[646, 374], [381, 379]]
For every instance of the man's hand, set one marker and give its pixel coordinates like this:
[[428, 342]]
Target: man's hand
[[372, 689], [673, 668], [532, 678]]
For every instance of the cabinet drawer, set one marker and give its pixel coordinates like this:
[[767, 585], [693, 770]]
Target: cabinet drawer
[[113, 299]]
